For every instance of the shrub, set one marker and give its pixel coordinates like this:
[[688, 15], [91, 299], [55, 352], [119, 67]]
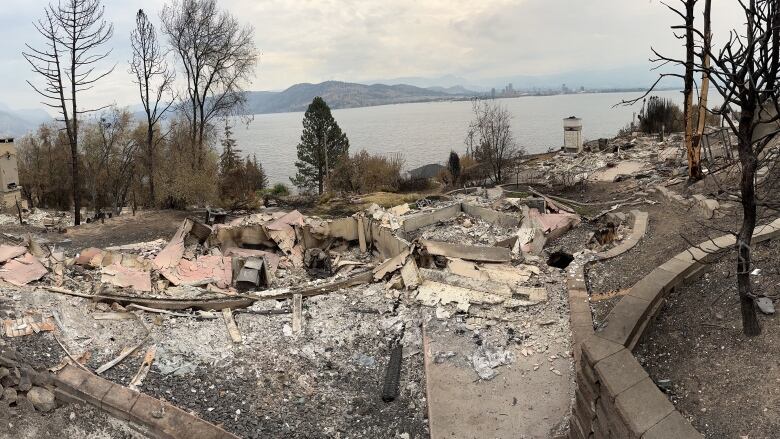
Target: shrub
[[363, 173], [279, 190], [415, 184], [658, 113]]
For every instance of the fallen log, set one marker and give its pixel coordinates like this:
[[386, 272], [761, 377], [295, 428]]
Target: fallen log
[[180, 304], [359, 279]]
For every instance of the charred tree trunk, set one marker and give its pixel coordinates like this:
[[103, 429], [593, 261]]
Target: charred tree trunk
[[705, 84], [694, 159], [749, 161], [150, 152]]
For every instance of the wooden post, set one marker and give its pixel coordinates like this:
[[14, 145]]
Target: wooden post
[[297, 313], [18, 210]]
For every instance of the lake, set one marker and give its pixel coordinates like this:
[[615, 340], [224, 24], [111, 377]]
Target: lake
[[426, 132]]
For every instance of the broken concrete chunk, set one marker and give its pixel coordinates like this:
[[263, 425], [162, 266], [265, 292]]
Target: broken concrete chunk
[[400, 209], [765, 305], [468, 252], [431, 293], [390, 265], [483, 285], [411, 274], [486, 359]]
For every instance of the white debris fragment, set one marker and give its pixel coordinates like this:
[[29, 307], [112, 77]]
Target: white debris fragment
[[486, 359]]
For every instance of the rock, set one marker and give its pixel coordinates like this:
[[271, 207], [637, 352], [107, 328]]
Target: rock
[[765, 305], [12, 379], [40, 379], [706, 207], [7, 361], [25, 383], [42, 399], [9, 395], [24, 405], [364, 360], [4, 372]]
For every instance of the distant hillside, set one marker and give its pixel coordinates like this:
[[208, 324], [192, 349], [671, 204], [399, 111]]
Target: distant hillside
[[341, 95], [454, 90], [16, 123]]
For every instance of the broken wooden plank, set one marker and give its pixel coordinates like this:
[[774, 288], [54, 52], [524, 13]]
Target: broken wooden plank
[[144, 369], [362, 234], [483, 285], [297, 314], [468, 252], [232, 328], [233, 302], [122, 355], [113, 316]]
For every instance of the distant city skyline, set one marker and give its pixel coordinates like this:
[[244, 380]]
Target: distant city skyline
[[355, 41]]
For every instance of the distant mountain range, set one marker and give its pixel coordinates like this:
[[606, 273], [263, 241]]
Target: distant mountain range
[[622, 78], [16, 123], [338, 94], [347, 95]]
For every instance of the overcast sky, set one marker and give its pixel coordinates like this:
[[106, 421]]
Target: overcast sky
[[360, 40]]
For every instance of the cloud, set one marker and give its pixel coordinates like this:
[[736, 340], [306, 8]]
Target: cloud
[[357, 40]]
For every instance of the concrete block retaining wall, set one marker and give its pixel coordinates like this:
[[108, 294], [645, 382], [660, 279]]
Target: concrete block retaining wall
[[615, 397]]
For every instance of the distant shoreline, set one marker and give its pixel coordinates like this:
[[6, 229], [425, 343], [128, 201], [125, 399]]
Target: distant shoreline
[[468, 98]]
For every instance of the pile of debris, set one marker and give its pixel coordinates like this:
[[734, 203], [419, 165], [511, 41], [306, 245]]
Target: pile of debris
[[50, 220]]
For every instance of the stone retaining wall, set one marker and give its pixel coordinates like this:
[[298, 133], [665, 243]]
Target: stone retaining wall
[[615, 397]]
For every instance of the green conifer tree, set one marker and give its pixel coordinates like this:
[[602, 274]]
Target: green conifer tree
[[323, 146]]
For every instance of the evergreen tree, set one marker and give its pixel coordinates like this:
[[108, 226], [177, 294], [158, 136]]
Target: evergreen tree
[[323, 146], [230, 159], [255, 174]]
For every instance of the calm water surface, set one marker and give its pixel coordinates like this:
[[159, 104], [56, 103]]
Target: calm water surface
[[426, 132]]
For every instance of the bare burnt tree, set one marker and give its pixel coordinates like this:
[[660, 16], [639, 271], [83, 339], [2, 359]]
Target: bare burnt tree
[[74, 32], [218, 57], [489, 138], [155, 84], [745, 72], [686, 12], [704, 87], [694, 155]]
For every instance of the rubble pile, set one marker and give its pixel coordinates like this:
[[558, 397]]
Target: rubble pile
[[317, 298], [42, 218], [638, 157]]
